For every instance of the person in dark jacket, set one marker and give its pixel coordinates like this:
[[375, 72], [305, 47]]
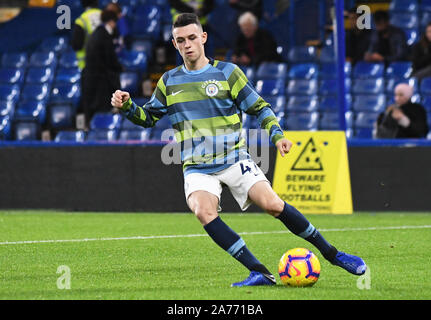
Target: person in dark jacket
[[84, 26], [357, 40], [421, 55], [101, 75], [388, 42], [253, 45], [403, 119]]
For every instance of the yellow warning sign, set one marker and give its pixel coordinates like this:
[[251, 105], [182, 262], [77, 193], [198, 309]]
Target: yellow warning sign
[[314, 176]]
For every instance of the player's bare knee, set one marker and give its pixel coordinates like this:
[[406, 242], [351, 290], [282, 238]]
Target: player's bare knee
[[274, 206], [205, 214]]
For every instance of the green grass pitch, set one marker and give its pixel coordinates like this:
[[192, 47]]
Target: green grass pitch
[[169, 256]]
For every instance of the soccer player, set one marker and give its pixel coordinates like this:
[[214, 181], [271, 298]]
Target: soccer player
[[204, 100]]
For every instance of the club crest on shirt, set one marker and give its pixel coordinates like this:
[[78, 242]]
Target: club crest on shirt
[[212, 87]]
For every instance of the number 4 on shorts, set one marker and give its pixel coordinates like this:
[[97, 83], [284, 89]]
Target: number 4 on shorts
[[244, 168]]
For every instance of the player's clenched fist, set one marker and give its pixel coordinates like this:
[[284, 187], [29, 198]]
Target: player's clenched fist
[[119, 97]]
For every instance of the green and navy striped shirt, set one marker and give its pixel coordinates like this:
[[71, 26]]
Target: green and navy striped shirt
[[205, 109]]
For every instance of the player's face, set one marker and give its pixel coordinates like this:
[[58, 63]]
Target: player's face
[[189, 41]]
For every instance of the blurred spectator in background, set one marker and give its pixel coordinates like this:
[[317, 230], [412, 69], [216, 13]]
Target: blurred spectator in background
[[101, 75], [403, 119], [85, 24], [122, 30], [242, 6], [357, 40], [421, 55], [199, 7], [388, 42], [254, 45]]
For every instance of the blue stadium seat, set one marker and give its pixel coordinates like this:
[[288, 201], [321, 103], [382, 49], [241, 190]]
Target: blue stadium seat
[[302, 87], [368, 86], [425, 5], [425, 17], [11, 75], [299, 54], [26, 131], [70, 136], [329, 120], [7, 108], [364, 133], [305, 71], [327, 55], [329, 70], [68, 75], [129, 82], [14, 60], [102, 135], [105, 121], [302, 121], [73, 4], [391, 83], [350, 133], [9, 92], [161, 135], [133, 60], [283, 51], [129, 125], [271, 70], [135, 135], [43, 59], [366, 70], [5, 127], [143, 45], [404, 20], [329, 87], [369, 103], [426, 102], [55, 44], [302, 104], [278, 103], [365, 119], [68, 59], [65, 93], [330, 103], [35, 91], [409, 6], [425, 87], [31, 110], [147, 21], [412, 36], [39, 75], [270, 87], [61, 115], [399, 70]]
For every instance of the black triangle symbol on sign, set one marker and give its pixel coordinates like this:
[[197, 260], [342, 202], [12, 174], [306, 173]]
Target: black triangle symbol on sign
[[309, 159]]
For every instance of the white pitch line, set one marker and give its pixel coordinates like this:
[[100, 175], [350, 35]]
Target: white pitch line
[[205, 235]]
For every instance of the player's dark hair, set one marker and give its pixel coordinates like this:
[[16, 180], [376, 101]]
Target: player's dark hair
[[381, 16], [108, 15], [184, 19], [89, 3]]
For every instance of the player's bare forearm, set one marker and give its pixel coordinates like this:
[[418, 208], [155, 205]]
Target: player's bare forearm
[[283, 146]]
